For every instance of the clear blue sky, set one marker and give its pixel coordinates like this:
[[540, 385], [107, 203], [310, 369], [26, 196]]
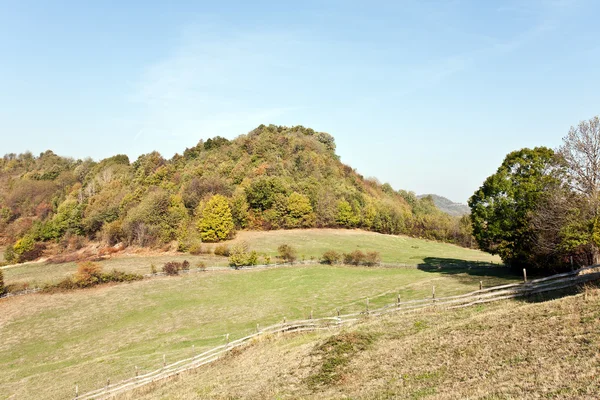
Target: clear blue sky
[[426, 95]]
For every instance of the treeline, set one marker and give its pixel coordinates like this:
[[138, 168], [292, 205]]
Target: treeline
[[541, 209], [274, 177]]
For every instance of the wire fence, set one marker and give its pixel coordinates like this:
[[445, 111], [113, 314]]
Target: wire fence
[[484, 295]]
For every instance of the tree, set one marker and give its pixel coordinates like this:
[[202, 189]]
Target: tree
[[299, 211], [346, 215], [581, 153], [501, 210], [217, 222]]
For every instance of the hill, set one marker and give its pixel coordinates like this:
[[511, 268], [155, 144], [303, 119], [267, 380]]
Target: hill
[[447, 205], [274, 177], [507, 350]]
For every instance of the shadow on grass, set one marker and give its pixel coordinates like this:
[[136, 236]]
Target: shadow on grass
[[469, 271], [491, 275]]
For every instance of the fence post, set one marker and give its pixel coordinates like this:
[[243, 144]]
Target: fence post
[[572, 269], [76, 391], [311, 313], [194, 350], [433, 293], [164, 360], [227, 338], [338, 311], [257, 328], [398, 301], [367, 305], [107, 384], [136, 371], [284, 319], [524, 275], [480, 285]]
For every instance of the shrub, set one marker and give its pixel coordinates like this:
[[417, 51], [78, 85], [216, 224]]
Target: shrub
[[27, 249], [287, 253], [196, 249], [88, 274], [172, 268], [185, 265], [112, 233], [201, 265], [9, 254], [330, 257], [372, 258], [153, 269], [266, 259], [222, 250], [241, 257], [357, 257]]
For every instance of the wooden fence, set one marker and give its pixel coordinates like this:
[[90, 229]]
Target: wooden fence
[[551, 283]]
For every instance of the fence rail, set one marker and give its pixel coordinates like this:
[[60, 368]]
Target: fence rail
[[503, 292]]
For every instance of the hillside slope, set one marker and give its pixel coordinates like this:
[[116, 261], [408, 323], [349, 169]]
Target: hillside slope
[[506, 350], [447, 205], [274, 177]]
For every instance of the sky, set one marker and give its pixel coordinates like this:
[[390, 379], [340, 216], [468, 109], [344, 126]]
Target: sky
[[428, 96]]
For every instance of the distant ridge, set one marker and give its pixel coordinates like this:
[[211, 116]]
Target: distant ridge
[[447, 205]]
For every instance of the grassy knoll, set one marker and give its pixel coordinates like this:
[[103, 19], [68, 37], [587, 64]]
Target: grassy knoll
[[506, 350], [51, 342], [393, 249], [308, 242]]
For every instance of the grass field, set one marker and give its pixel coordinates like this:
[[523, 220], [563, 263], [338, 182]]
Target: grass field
[[507, 350], [309, 243], [393, 249], [51, 342]]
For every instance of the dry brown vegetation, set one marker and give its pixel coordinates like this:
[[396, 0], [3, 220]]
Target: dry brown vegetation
[[508, 350]]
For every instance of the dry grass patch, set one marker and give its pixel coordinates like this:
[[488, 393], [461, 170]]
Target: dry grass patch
[[507, 350]]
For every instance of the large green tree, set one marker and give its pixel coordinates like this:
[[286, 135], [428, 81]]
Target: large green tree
[[503, 207]]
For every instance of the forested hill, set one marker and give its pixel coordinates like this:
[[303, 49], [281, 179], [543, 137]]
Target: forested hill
[[274, 177], [447, 205]]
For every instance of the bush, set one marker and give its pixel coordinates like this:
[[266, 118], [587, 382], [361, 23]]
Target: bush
[[287, 253], [222, 250], [201, 265], [357, 257], [87, 271], [172, 268], [90, 274], [185, 265], [330, 257], [153, 270], [372, 258], [196, 249], [9, 254], [266, 259], [241, 257]]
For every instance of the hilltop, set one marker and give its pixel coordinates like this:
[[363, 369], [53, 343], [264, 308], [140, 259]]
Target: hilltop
[[448, 206], [274, 177]]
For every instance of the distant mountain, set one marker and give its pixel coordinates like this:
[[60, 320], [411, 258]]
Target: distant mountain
[[447, 205]]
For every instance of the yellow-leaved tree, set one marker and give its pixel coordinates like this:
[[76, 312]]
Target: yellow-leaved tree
[[216, 221]]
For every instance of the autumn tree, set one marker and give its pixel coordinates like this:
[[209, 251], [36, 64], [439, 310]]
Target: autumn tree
[[216, 222], [581, 154], [299, 211]]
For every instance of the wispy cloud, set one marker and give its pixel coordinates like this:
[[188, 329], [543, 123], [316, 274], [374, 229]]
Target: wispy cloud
[[210, 85]]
